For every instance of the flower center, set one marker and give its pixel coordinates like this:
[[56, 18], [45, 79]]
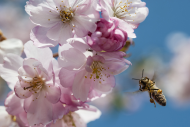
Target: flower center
[[68, 119], [35, 85], [121, 9], [66, 14], [97, 69]]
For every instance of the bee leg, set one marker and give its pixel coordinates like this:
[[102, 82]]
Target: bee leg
[[140, 88], [152, 100]]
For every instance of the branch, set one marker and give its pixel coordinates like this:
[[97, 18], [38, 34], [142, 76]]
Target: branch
[[2, 37], [55, 55]]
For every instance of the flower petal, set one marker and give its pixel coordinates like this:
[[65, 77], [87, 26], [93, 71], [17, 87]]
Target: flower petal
[[81, 85], [115, 67], [88, 116], [125, 27], [39, 109], [38, 35], [54, 32], [20, 92], [106, 84], [44, 16], [13, 104], [65, 34], [72, 59], [44, 55], [9, 69], [66, 77], [106, 9], [53, 93]]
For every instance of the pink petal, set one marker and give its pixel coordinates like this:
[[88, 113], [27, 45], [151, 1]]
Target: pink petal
[[31, 4], [44, 16], [73, 58], [105, 84], [58, 111], [88, 64], [38, 36], [44, 55], [106, 9], [80, 44], [83, 26], [43, 71], [66, 77], [125, 27], [65, 34], [115, 67], [29, 70], [9, 69], [39, 109], [61, 2], [53, 93], [81, 85], [20, 92], [13, 104], [54, 32]]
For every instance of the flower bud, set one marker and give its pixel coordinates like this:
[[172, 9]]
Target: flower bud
[[108, 37]]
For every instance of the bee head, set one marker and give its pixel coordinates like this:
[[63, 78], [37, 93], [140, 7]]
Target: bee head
[[143, 80]]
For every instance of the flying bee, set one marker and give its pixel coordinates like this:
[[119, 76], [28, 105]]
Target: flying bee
[[154, 92]]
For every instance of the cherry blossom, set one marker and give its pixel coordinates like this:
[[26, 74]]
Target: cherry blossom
[[107, 37], [59, 20], [77, 119], [33, 80], [129, 13], [89, 73]]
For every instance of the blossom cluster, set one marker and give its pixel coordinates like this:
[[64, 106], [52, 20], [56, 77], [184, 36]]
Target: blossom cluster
[[48, 92]]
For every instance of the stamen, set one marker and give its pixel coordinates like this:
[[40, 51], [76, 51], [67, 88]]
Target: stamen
[[66, 14], [35, 85]]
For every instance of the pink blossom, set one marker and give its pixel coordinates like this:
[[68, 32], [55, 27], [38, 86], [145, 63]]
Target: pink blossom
[[59, 20], [78, 118], [89, 73], [34, 81], [107, 37], [129, 13]]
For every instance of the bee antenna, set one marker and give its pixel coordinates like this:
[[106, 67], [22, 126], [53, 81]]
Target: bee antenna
[[142, 72], [135, 79]]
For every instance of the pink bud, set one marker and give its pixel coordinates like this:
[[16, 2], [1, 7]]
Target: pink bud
[[108, 37]]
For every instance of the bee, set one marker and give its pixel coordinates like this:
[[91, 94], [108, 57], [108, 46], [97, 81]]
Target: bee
[[145, 84]]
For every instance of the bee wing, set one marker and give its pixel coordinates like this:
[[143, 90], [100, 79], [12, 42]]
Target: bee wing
[[135, 92], [154, 77]]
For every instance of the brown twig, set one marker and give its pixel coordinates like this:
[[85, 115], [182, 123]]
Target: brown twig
[[55, 55], [2, 37]]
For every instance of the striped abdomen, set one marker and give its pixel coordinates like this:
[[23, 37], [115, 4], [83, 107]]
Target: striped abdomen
[[159, 98]]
